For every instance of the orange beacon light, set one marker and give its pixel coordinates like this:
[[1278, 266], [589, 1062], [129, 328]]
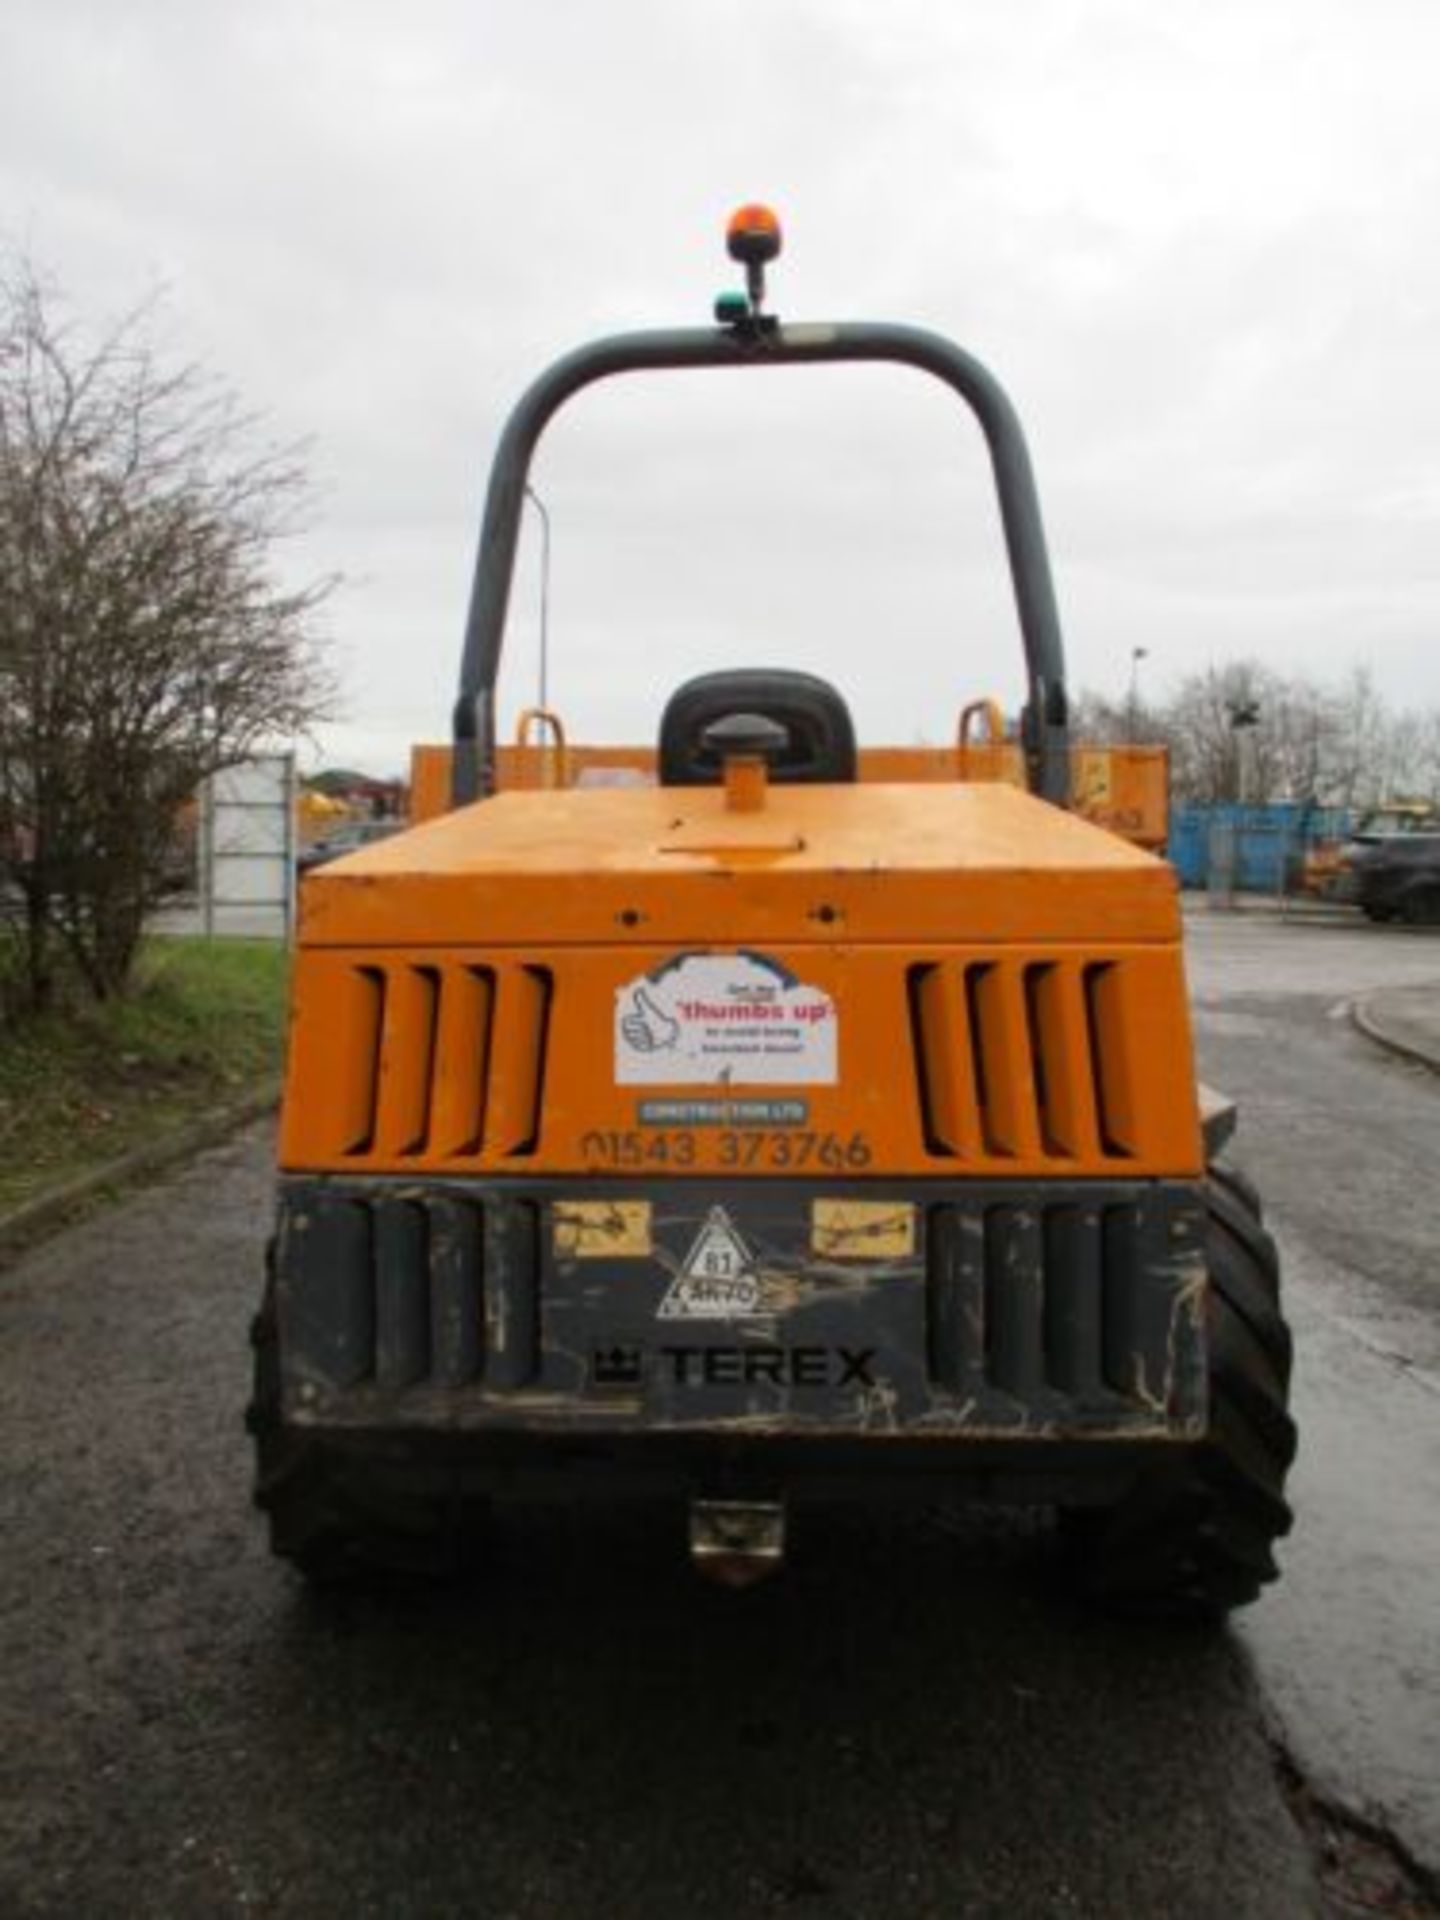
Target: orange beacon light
[[752, 234]]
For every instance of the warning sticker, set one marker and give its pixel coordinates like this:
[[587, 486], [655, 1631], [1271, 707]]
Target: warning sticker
[[717, 1280], [1091, 780], [723, 1019]]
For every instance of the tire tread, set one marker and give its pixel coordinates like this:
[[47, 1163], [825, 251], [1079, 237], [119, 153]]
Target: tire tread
[[1195, 1539], [330, 1514]]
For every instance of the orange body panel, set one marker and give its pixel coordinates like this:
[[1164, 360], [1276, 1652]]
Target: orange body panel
[[672, 866], [1038, 1062], [1004, 982], [1125, 789]]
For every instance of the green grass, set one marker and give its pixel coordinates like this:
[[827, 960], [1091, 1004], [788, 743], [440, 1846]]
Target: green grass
[[202, 1026]]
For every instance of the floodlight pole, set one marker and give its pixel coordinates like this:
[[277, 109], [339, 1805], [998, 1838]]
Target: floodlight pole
[[1137, 654]]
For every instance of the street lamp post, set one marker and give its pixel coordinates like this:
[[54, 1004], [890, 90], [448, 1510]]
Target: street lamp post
[[1137, 654], [1244, 717], [539, 505]]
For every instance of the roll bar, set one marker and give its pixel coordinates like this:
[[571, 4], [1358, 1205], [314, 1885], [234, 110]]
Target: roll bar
[[1044, 720]]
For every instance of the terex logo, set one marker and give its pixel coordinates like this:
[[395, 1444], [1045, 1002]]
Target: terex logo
[[736, 1366], [777, 1366], [746, 1366]]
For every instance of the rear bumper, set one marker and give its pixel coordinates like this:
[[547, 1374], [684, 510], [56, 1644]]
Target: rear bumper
[[525, 1323]]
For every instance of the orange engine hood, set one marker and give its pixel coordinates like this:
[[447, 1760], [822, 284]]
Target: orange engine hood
[[674, 865]]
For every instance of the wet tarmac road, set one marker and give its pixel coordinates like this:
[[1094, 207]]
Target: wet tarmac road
[[913, 1718], [1344, 1142]]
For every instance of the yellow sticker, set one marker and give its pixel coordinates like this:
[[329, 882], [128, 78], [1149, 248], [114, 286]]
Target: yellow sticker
[[862, 1229], [602, 1230], [1092, 777]]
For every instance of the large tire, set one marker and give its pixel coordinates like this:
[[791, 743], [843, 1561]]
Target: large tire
[[1193, 1537], [351, 1515]]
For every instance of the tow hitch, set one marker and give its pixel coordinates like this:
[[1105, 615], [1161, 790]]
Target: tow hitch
[[737, 1542]]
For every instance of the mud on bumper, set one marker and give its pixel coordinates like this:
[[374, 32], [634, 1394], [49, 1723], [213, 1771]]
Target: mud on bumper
[[516, 1319]]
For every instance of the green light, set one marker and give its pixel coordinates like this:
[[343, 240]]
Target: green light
[[732, 309]]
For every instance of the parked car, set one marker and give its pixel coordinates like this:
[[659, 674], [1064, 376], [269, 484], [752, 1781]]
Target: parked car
[[1398, 878], [1328, 869], [348, 837]]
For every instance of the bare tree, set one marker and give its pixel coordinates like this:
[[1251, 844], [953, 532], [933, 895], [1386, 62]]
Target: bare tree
[[1360, 769], [1241, 731], [1207, 717], [144, 639], [1414, 757]]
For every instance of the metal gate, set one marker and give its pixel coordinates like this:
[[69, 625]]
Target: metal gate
[[247, 849]]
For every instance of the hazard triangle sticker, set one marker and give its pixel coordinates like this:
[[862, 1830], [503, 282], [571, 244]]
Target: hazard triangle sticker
[[717, 1278]]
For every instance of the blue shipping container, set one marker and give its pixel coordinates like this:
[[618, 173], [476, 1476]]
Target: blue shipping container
[[1270, 841]]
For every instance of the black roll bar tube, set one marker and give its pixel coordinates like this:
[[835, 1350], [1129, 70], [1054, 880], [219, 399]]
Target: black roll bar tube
[[1044, 734]]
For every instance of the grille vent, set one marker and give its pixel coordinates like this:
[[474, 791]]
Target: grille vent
[[408, 1293], [1063, 1298], [1023, 1060], [443, 1061]]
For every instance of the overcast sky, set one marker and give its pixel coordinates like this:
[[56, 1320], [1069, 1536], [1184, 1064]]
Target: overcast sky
[[1198, 242]]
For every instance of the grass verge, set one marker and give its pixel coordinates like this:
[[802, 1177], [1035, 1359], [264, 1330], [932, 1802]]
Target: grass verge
[[203, 1026]]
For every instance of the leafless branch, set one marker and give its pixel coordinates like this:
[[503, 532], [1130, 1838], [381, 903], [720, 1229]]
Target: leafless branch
[[145, 641]]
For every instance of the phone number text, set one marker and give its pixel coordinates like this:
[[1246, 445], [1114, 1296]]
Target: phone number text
[[773, 1149]]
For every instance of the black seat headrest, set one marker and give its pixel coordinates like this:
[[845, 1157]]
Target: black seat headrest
[[821, 743]]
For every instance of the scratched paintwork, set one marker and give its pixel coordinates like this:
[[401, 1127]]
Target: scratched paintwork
[[861, 1229], [602, 1229], [515, 1314]]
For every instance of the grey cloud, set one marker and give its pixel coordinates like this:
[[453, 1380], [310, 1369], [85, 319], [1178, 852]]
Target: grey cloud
[[1195, 242]]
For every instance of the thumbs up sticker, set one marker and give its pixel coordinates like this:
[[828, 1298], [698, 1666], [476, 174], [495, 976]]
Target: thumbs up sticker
[[724, 1019], [647, 1027]]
